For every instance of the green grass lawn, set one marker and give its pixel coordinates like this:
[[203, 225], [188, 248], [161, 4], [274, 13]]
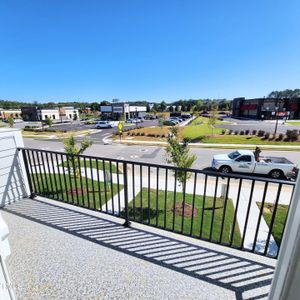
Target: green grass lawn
[[198, 132], [142, 214], [243, 139], [279, 220], [93, 165], [297, 123], [47, 187]]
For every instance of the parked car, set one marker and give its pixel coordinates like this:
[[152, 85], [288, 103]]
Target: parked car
[[103, 124], [244, 161], [186, 116], [176, 119], [169, 123], [149, 117]]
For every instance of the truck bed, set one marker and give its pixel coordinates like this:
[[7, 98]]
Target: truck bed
[[275, 160]]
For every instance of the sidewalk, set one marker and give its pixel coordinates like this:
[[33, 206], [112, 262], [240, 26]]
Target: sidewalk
[[209, 145]]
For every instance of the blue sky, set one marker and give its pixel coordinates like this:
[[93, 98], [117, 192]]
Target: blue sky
[[59, 50]]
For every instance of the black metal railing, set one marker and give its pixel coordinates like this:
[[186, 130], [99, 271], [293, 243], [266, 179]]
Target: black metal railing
[[234, 210]]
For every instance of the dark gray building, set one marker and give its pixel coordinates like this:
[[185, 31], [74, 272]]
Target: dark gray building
[[266, 108]]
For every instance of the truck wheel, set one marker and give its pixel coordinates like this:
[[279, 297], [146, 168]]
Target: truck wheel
[[225, 169], [276, 174]]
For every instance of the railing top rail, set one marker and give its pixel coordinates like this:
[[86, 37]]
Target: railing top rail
[[204, 172]]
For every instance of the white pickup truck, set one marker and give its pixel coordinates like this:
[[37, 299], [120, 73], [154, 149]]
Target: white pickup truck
[[243, 161]]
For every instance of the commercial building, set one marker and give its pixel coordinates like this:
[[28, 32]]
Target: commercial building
[[266, 108], [30, 113], [6, 113], [117, 111]]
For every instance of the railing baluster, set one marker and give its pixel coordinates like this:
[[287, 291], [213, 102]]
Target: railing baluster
[[75, 177], [105, 187], [203, 205], [59, 177], [149, 195], [127, 222], [166, 197], [247, 214], [99, 186], [141, 194], [235, 213], [224, 210], [81, 183], [174, 199], [44, 172], [64, 178], [38, 186], [41, 173], [29, 177], [193, 203], [156, 200], [70, 179], [213, 209], [86, 183], [260, 215], [54, 176], [93, 187], [273, 218], [118, 186], [111, 189], [49, 173], [183, 201], [133, 190], [31, 163], [287, 213]]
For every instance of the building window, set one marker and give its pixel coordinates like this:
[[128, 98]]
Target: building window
[[53, 116]]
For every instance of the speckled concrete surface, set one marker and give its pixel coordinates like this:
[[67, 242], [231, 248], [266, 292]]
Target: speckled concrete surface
[[64, 252]]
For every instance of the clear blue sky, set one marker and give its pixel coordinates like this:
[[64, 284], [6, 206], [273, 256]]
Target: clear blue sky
[[147, 50]]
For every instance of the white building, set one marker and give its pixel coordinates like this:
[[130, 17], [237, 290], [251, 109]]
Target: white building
[[44, 114], [118, 110]]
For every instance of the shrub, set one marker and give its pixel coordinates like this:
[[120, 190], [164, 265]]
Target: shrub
[[158, 135], [236, 132], [280, 137], [230, 132], [254, 132], [242, 132], [292, 135], [267, 135], [138, 134], [142, 133], [247, 132], [223, 131], [261, 133], [163, 136]]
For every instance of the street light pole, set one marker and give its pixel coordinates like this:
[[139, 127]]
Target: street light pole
[[276, 116]]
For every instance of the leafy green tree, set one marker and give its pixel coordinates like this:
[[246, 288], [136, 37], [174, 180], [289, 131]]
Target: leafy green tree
[[213, 120], [162, 106], [94, 106], [73, 151], [171, 108], [179, 155], [11, 122], [49, 122]]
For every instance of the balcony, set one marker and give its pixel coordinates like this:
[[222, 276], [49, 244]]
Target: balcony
[[107, 228]]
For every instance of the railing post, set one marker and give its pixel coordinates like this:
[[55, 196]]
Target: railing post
[[127, 222], [25, 159]]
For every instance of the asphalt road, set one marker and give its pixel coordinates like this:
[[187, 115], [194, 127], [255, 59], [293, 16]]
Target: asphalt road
[[267, 126], [148, 154]]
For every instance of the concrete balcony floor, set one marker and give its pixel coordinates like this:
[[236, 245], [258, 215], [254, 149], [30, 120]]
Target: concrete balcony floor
[[64, 252]]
